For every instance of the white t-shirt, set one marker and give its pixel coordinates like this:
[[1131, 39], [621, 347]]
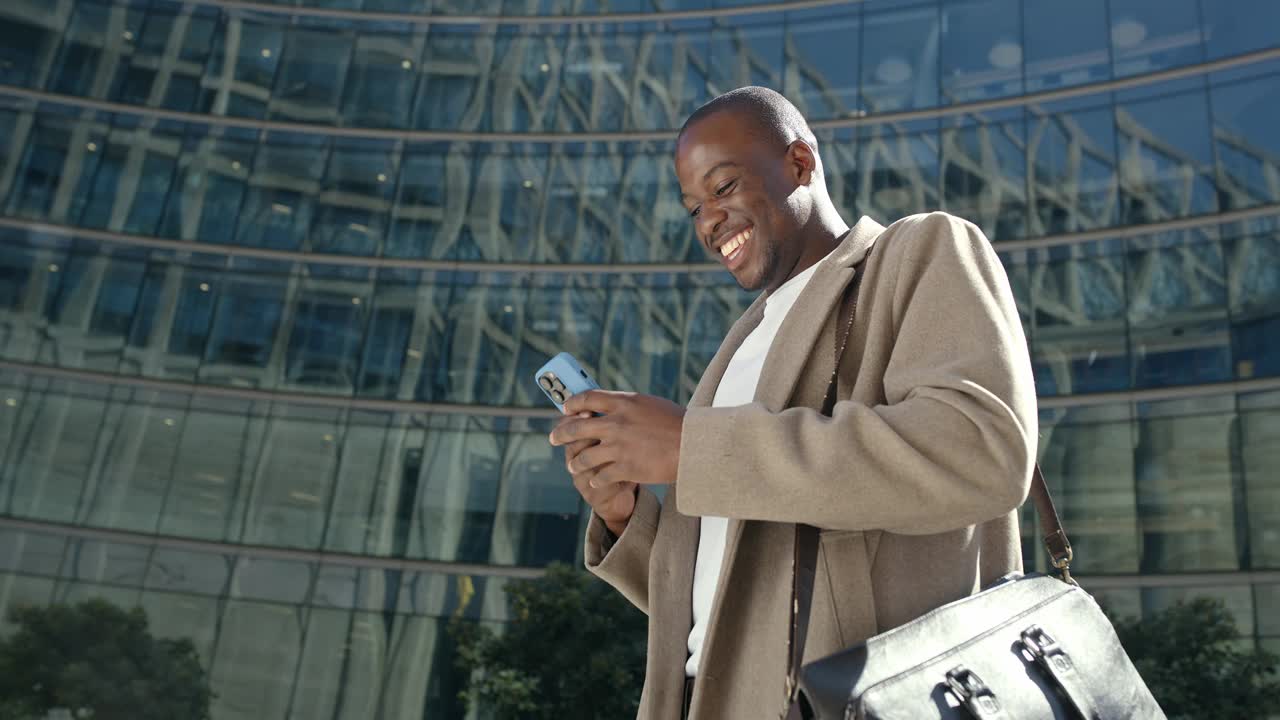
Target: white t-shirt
[[738, 387]]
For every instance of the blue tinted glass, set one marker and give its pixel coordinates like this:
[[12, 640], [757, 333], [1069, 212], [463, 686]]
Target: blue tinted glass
[[900, 59], [473, 361], [1072, 163], [981, 49], [897, 173], [244, 329], [1166, 158], [40, 170], [29, 34], [208, 188], [384, 74], [984, 176], [324, 340], [420, 210], [1240, 26], [278, 207], [354, 201], [310, 76], [452, 92], [1247, 144], [1177, 311], [1079, 337], [386, 345], [820, 73], [1151, 35], [1254, 280], [1066, 44], [671, 77], [746, 52]]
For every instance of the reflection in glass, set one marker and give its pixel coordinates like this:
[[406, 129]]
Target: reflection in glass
[[1071, 157], [1260, 446], [1064, 44], [1186, 486], [1151, 35], [820, 74], [982, 51], [984, 175], [1247, 146], [1253, 281], [1165, 159], [900, 59]]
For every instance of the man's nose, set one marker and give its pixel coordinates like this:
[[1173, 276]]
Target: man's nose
[[709, 222]]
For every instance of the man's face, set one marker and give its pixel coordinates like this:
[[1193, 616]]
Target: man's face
[[738, 192]]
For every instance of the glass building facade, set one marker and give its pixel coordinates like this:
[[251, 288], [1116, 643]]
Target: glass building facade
[[274, 278]]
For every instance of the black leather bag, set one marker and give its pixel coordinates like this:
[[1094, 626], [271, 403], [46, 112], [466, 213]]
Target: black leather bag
[[1028, 647]]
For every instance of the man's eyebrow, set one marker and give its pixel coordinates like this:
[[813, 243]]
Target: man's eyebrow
[[724, 164]]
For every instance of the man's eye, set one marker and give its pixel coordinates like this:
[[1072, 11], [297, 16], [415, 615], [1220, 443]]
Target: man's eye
[[694, 212], [725, 188]]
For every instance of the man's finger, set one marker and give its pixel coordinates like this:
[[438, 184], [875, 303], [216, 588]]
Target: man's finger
[[595, 401], [573, 429], [591, 458]]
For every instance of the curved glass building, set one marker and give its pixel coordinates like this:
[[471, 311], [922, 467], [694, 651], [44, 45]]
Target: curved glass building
[[274, 278]]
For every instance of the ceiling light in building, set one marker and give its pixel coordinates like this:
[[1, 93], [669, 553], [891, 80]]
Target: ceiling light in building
[[170, 422], [282, 209], [91, 147], [53, 267], [204, 287], [528, 184], [508, 309], [11, 402], [235, 164], [355, 301], [1128, 33], [357, 227], [545, 67], [266, 52], [416, 354], [128, 35], [382, 177], [406, 64], [305, 497], [1005, 55], [893, 71], [328, 437]]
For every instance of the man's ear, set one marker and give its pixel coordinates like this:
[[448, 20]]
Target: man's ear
[[802, 161]]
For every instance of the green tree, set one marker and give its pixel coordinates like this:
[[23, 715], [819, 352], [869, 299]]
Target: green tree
[[1191, 657], [574, 648], [97, 661]]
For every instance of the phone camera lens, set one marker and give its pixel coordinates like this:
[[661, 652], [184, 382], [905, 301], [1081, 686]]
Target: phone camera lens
[[558, 396], [545, 382]]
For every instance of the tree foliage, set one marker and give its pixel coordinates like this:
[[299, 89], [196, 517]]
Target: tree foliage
[[574, 648], [99, 661], [1192, 658]]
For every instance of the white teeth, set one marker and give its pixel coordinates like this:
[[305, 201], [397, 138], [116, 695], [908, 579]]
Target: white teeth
[[735, 243]]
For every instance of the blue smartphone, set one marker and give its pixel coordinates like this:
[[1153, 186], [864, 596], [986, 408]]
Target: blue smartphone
[[563, 377]]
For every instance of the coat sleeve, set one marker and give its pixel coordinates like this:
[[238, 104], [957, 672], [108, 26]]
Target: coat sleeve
[[624, 562], [952, 446]]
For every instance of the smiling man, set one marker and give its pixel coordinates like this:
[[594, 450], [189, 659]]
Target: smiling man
[[914, 478]]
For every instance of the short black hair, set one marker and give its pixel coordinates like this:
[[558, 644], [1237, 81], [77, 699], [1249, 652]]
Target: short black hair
[[774, 116]]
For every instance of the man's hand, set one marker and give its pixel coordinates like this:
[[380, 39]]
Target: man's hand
[[636, 439]]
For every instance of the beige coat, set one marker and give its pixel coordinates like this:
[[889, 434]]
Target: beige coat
[[915, 478]]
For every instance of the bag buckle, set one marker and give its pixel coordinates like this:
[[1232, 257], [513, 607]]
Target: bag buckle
[[972, 692]]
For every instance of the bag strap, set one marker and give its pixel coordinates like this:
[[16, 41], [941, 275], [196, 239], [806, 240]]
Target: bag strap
[[805, 560]]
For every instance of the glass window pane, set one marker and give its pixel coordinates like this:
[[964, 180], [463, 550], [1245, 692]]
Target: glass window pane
[[383, 76], [1066, 44], [526, 73], [1253, 278], [242, 338], [1260, 444], [1177, 310], [293, 478], [1248, 148], [286, 177], [324, 340], [49, 472], [29, 34], [746, 51], [536, 519], [562, 313], [1088, 459], [457, 493], [452, 92], [654, 226], [474, 361], [1239, 26], [984, 175], [643, 339], [1186, 492], [240, 83], [1151, 35], [220, 442], [253, 670], [429, 206], [1166, 159], [208, 186], [140, 451], [900, 59], [981, 49], [896, 173], [379, 464], [1071, 156], [820, 73], [311, 74], [671, 75], [1079, 340]]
